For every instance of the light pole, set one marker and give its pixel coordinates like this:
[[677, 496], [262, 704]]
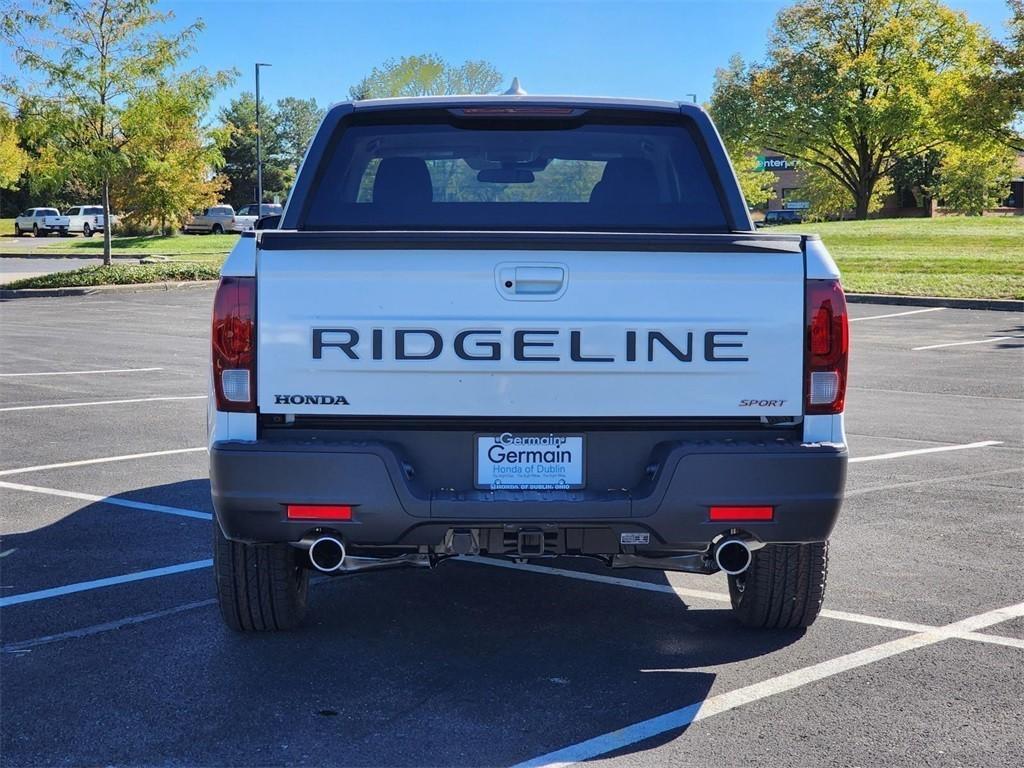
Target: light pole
[[693, 98], [259, 149]]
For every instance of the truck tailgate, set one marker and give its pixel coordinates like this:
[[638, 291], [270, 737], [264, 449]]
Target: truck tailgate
[[483, 332]]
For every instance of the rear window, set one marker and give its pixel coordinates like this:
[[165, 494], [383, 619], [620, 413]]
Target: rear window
[[476, 175]]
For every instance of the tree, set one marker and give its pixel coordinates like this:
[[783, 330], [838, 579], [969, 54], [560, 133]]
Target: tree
[[1000, 91], [756, 186], [852, 86], [975, 178], [13, 159], [917, 176], [297, 121], [743, 150], [94, 56], [426, 75], [828, 199], [169, 167], [238, 146]]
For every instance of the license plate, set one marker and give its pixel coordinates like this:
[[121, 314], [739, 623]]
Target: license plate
[[515, 461]]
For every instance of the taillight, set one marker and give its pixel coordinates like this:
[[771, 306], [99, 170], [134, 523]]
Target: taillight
[[741, 514], [319, 512], [234, 344], [828, 347]]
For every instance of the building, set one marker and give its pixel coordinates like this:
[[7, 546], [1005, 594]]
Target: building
[[787, 192]]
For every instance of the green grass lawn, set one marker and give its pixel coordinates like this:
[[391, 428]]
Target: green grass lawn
[[211, 248], [205, 248], [947, 256]]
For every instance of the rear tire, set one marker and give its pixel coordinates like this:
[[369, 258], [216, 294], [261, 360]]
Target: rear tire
[[260, 587], [87, 230], [17, 230], [783, 588], [217, 230]]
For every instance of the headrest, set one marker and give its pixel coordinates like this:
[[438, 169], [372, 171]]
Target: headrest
[[402, 181], [626, 181]]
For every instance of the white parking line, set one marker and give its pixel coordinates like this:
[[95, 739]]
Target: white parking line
[[965, 343], [718, 597], [897, 314], [107, 626], [104, 460], [734, 699], [919, 451], [112, 500], [83, 586], [78, 373], [100, 402]]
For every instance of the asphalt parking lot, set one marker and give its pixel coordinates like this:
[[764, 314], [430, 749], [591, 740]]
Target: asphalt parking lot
[[113, 651]]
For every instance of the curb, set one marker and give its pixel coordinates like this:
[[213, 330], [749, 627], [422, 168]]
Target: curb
[[44, 255], [35, 293], [1005, 305]]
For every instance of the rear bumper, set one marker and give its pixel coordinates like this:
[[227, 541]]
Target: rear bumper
[[252, 482]]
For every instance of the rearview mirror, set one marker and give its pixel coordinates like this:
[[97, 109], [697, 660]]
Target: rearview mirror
[[505, 176]]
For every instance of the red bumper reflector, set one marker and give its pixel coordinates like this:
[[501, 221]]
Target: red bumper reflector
[[741, 514], [319, 512]]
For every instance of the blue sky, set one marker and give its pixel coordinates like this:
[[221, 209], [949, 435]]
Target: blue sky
[[646, 49]]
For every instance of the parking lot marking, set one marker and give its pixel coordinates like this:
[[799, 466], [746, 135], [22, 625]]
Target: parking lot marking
[[103, 402], [725, 702], [107, 626], [965, 343], [719, 597], [112, 500], [919, 451], [897, 314], [78, 373], [84, 586], [104, 460]]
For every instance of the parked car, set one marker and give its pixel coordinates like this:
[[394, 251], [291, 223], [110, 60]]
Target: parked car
[[246, 216], [41, 222], [782, 217], [624, 371], [88, 219], [217, 219]]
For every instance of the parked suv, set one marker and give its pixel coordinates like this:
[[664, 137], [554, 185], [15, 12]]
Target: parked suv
[[246, 216], [782, 217], [41, 222], [217, 219], [524, 327], [87, 219]]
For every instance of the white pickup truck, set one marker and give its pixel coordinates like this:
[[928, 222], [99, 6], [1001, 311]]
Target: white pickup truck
[[524, 327], [41, 222], [87, 219]]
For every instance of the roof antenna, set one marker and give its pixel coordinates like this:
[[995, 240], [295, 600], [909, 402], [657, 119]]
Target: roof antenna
[[515, 89]]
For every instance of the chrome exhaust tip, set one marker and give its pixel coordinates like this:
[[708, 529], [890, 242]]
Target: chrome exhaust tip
[[734, 555], [327, 554]]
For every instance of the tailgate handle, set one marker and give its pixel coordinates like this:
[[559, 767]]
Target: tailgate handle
[[531, 282], [539, 279]]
